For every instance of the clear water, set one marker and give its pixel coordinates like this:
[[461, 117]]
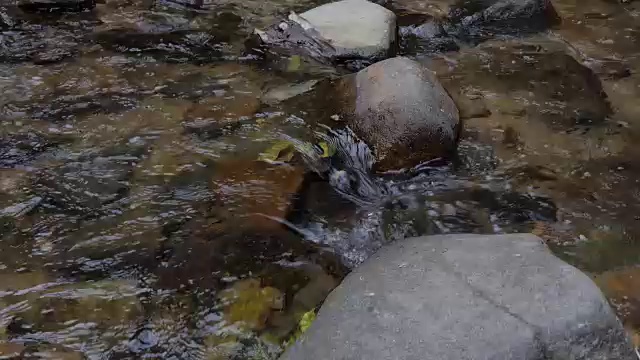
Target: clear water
[[136, 219]]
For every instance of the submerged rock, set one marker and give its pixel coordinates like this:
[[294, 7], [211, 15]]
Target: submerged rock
[[477, 20], [173, 46], [22, 208], [6, 20], [465, 297], [19, 46], [170, 36], [249, 305], [257, 192], [471, 21], [23, 148], [430, 36], [437, 9], [284, 92], [56, 5], [56, 308], [399, 108], [539, 82], [336, 32], [85, 186]]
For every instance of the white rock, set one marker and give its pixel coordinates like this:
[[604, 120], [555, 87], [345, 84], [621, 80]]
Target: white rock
[[355, 27]]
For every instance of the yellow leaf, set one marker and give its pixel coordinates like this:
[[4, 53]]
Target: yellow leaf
[[306, 320], [327, 151], [282, 150], [295, 62]]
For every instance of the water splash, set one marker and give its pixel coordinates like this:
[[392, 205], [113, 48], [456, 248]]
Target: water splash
[[348, 169]]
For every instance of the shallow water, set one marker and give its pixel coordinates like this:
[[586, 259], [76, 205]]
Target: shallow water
[[137, 220]]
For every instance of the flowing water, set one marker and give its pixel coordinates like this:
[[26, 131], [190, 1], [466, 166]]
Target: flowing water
[[141, 218]]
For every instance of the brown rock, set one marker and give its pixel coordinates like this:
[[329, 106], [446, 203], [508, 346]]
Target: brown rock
[[257, 191], [402, 112], [312, 294], [534, 80]]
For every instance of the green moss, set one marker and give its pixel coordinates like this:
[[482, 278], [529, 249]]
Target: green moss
[[249, 305], [305, 322]]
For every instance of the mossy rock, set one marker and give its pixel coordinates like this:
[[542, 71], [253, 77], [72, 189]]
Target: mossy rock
[[249, 305], [105, 303]]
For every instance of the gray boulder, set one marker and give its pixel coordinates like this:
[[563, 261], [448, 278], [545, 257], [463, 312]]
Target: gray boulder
[[399, 108], [347, 31], [354, 27], [465, 297]]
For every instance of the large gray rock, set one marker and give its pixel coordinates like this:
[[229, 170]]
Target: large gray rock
[[400, 110], [465, 297], [354, 27]]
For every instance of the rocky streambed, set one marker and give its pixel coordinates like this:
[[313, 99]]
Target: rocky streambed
[[164, 194]]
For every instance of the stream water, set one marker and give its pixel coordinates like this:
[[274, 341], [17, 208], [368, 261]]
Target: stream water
[[138, 218]]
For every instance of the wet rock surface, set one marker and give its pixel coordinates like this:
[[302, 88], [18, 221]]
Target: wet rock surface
[[429, 37], [336, 22], [272, 198], [477, 20], [132, 164], [544, 83], [446, 25], [56, 5], [330, 33], [418, 297], [401, 111]]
